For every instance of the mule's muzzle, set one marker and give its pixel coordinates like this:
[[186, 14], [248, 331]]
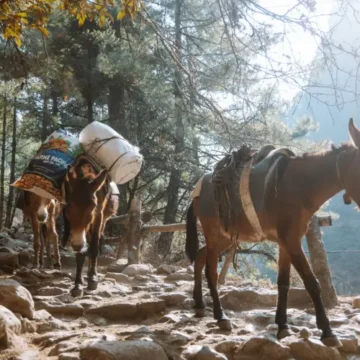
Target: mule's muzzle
[[78, 241], [79, 248]]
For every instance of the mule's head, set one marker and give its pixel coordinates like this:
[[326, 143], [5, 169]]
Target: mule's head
[[81, 202], [39, 205], [349, 166]]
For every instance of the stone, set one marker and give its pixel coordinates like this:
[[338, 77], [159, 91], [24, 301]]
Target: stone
[[203, 353], [51, 325], [51, 291], [69, 356], [248, 298], [8, 323], [60, 308], [16, 298], [299, 298], [305, 333], [349, 343], [228, 348], [10, 260], [118, 277], [167, 269], [32, 354], [173, 299], [179, 338], [116, 310], [62, 347], [123, 350], [313, 349], [138, 269], [179, 276], [263, 348], [150, 307], [118, 266], [356, 302]]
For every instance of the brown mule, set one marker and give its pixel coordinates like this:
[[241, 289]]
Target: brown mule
[[43, 214], [305, 184], [89, 203]]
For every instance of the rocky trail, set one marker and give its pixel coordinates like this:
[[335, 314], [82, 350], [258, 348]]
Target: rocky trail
[[140, 312]]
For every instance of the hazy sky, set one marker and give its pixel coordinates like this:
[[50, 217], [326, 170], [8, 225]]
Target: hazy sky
[[301, 46]]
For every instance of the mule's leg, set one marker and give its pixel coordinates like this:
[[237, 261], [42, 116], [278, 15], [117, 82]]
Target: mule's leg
[[312, 285], [46, 241], [212, 256], [36, 230], [96, 229], [197, 294], [283, 282], [77, 290], [52, 237]]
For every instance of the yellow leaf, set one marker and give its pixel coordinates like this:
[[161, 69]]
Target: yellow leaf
[[44, 31], [22, 14], [24, 21], [82, 20], [101, 20], [18, 41], [121, 14]]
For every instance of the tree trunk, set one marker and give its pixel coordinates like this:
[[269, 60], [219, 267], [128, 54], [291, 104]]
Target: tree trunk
[[134, 235], [2, 171], [45, 118], [319, 263], [165, 239], [9, 207]]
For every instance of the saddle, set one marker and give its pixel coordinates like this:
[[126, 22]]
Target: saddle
[[248, 188]]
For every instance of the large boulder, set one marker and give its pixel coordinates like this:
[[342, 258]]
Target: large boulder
[[249, 298], [312, 349], [123, 350], [16, 298], [9, 323]]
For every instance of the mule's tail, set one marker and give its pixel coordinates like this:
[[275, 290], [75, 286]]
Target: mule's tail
[[192, 240]]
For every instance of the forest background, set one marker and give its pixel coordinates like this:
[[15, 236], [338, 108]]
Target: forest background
[[186, 81]]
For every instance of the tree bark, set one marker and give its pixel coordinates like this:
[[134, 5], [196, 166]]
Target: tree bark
[[10, 201], [165, 239], [319, 263], [2, 171]]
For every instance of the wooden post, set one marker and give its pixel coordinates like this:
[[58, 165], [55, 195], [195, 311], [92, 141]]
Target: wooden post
[[319, 262], [134, 234], [229, 258]]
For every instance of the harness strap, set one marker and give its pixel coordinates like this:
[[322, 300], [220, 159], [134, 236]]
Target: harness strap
[[245, 198]]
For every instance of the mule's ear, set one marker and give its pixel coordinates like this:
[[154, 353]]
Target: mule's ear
[[99, 181], [354, 133]]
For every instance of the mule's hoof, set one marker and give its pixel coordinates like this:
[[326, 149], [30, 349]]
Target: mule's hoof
[[331, 341], [76, 292], [224, 324], [200, 313], [92, 285], [57, 266], [284, 333]]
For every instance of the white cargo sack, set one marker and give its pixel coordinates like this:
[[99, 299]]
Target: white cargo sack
[[111, 150]]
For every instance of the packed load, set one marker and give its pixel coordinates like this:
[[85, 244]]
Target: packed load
[[110, 149], [45, 173]]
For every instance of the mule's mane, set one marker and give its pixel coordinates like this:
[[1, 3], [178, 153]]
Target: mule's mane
[[347, 146]]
